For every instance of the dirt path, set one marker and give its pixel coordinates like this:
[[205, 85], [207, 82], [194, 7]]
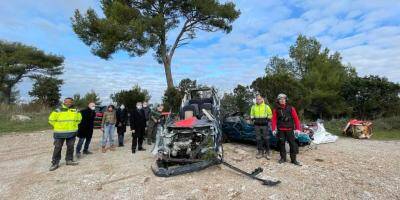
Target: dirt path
[[348, 169]]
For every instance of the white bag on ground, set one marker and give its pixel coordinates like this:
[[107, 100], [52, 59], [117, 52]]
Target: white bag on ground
[[321, 136]]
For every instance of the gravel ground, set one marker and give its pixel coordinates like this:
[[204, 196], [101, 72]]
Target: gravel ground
[[347, 169]]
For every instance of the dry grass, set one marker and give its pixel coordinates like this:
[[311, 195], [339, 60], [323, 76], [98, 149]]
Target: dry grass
[[38, 113]]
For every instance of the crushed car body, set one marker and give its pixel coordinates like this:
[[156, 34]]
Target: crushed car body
[[193, 141], [235, 127], [358, 129]]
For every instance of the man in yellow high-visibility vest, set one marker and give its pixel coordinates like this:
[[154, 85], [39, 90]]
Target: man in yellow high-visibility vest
[[65, 121], [261, 114]]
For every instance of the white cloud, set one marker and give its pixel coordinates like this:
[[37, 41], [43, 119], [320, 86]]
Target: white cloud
[[366, 33]]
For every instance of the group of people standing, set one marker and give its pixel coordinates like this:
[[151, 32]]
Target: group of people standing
[[284, 123], [68, 123]]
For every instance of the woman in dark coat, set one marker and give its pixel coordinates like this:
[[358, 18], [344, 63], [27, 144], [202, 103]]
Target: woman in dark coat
[[122, 119], [85, 130]]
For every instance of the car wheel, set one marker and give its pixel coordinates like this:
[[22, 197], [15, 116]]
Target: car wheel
[[225, 138]]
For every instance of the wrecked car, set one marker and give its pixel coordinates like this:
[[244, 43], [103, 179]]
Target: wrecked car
[[237, 128], [358, 129], [192, 140]]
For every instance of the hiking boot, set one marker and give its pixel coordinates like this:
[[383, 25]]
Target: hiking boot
[[282, 161], [71, 162], [141, 149], [103, 149], [120, 145], [296, 163], [53, 167], [87, 152], [78, 155], [112, 148], [133, 151], [259, 155], [267, 155]]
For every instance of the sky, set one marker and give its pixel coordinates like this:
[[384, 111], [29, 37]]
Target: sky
[[365, 32]]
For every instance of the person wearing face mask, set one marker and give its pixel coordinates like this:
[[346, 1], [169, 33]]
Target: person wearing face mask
[[147, 113], [138, 125], [85, 131], [108, 126], [122, 119], [64, 120], [286, 125]]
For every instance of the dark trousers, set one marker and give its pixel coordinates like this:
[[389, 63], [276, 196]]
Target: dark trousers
[[137, 138], [58, 143], [151, 131], [121, 134], [80, 143], [262, 138], [284, 136]]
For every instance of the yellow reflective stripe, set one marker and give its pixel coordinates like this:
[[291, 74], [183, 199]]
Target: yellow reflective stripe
[[68, 131], [64, 120]]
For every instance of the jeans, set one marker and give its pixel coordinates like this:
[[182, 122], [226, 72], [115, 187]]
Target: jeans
[[58, 143], [262, 138], [108, 135], [80, 143], [121, 138]]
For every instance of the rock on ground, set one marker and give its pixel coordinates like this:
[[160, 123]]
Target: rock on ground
[[21, 118]]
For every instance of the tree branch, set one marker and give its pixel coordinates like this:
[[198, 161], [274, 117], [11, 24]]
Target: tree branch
[[178, 38]]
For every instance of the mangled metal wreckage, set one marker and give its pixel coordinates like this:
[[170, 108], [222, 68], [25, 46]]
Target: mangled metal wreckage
[[192, 141]]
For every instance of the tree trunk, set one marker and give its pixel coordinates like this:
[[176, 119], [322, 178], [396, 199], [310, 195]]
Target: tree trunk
[[8, 94], [168, 73]]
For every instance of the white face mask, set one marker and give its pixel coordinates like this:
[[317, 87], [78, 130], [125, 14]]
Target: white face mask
[[139, 107], [122, 107], [92, 106]]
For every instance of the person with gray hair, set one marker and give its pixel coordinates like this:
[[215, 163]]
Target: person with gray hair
[[122, 119], [138, 124], [85, 131], [285, 126]]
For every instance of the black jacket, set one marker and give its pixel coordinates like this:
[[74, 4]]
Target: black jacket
[[137, 119], [122, 117], [85, 129]]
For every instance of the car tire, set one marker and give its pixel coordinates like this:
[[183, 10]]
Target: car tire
[[225, 138]]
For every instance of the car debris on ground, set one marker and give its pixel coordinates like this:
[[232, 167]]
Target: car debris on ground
[[358, 129]]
